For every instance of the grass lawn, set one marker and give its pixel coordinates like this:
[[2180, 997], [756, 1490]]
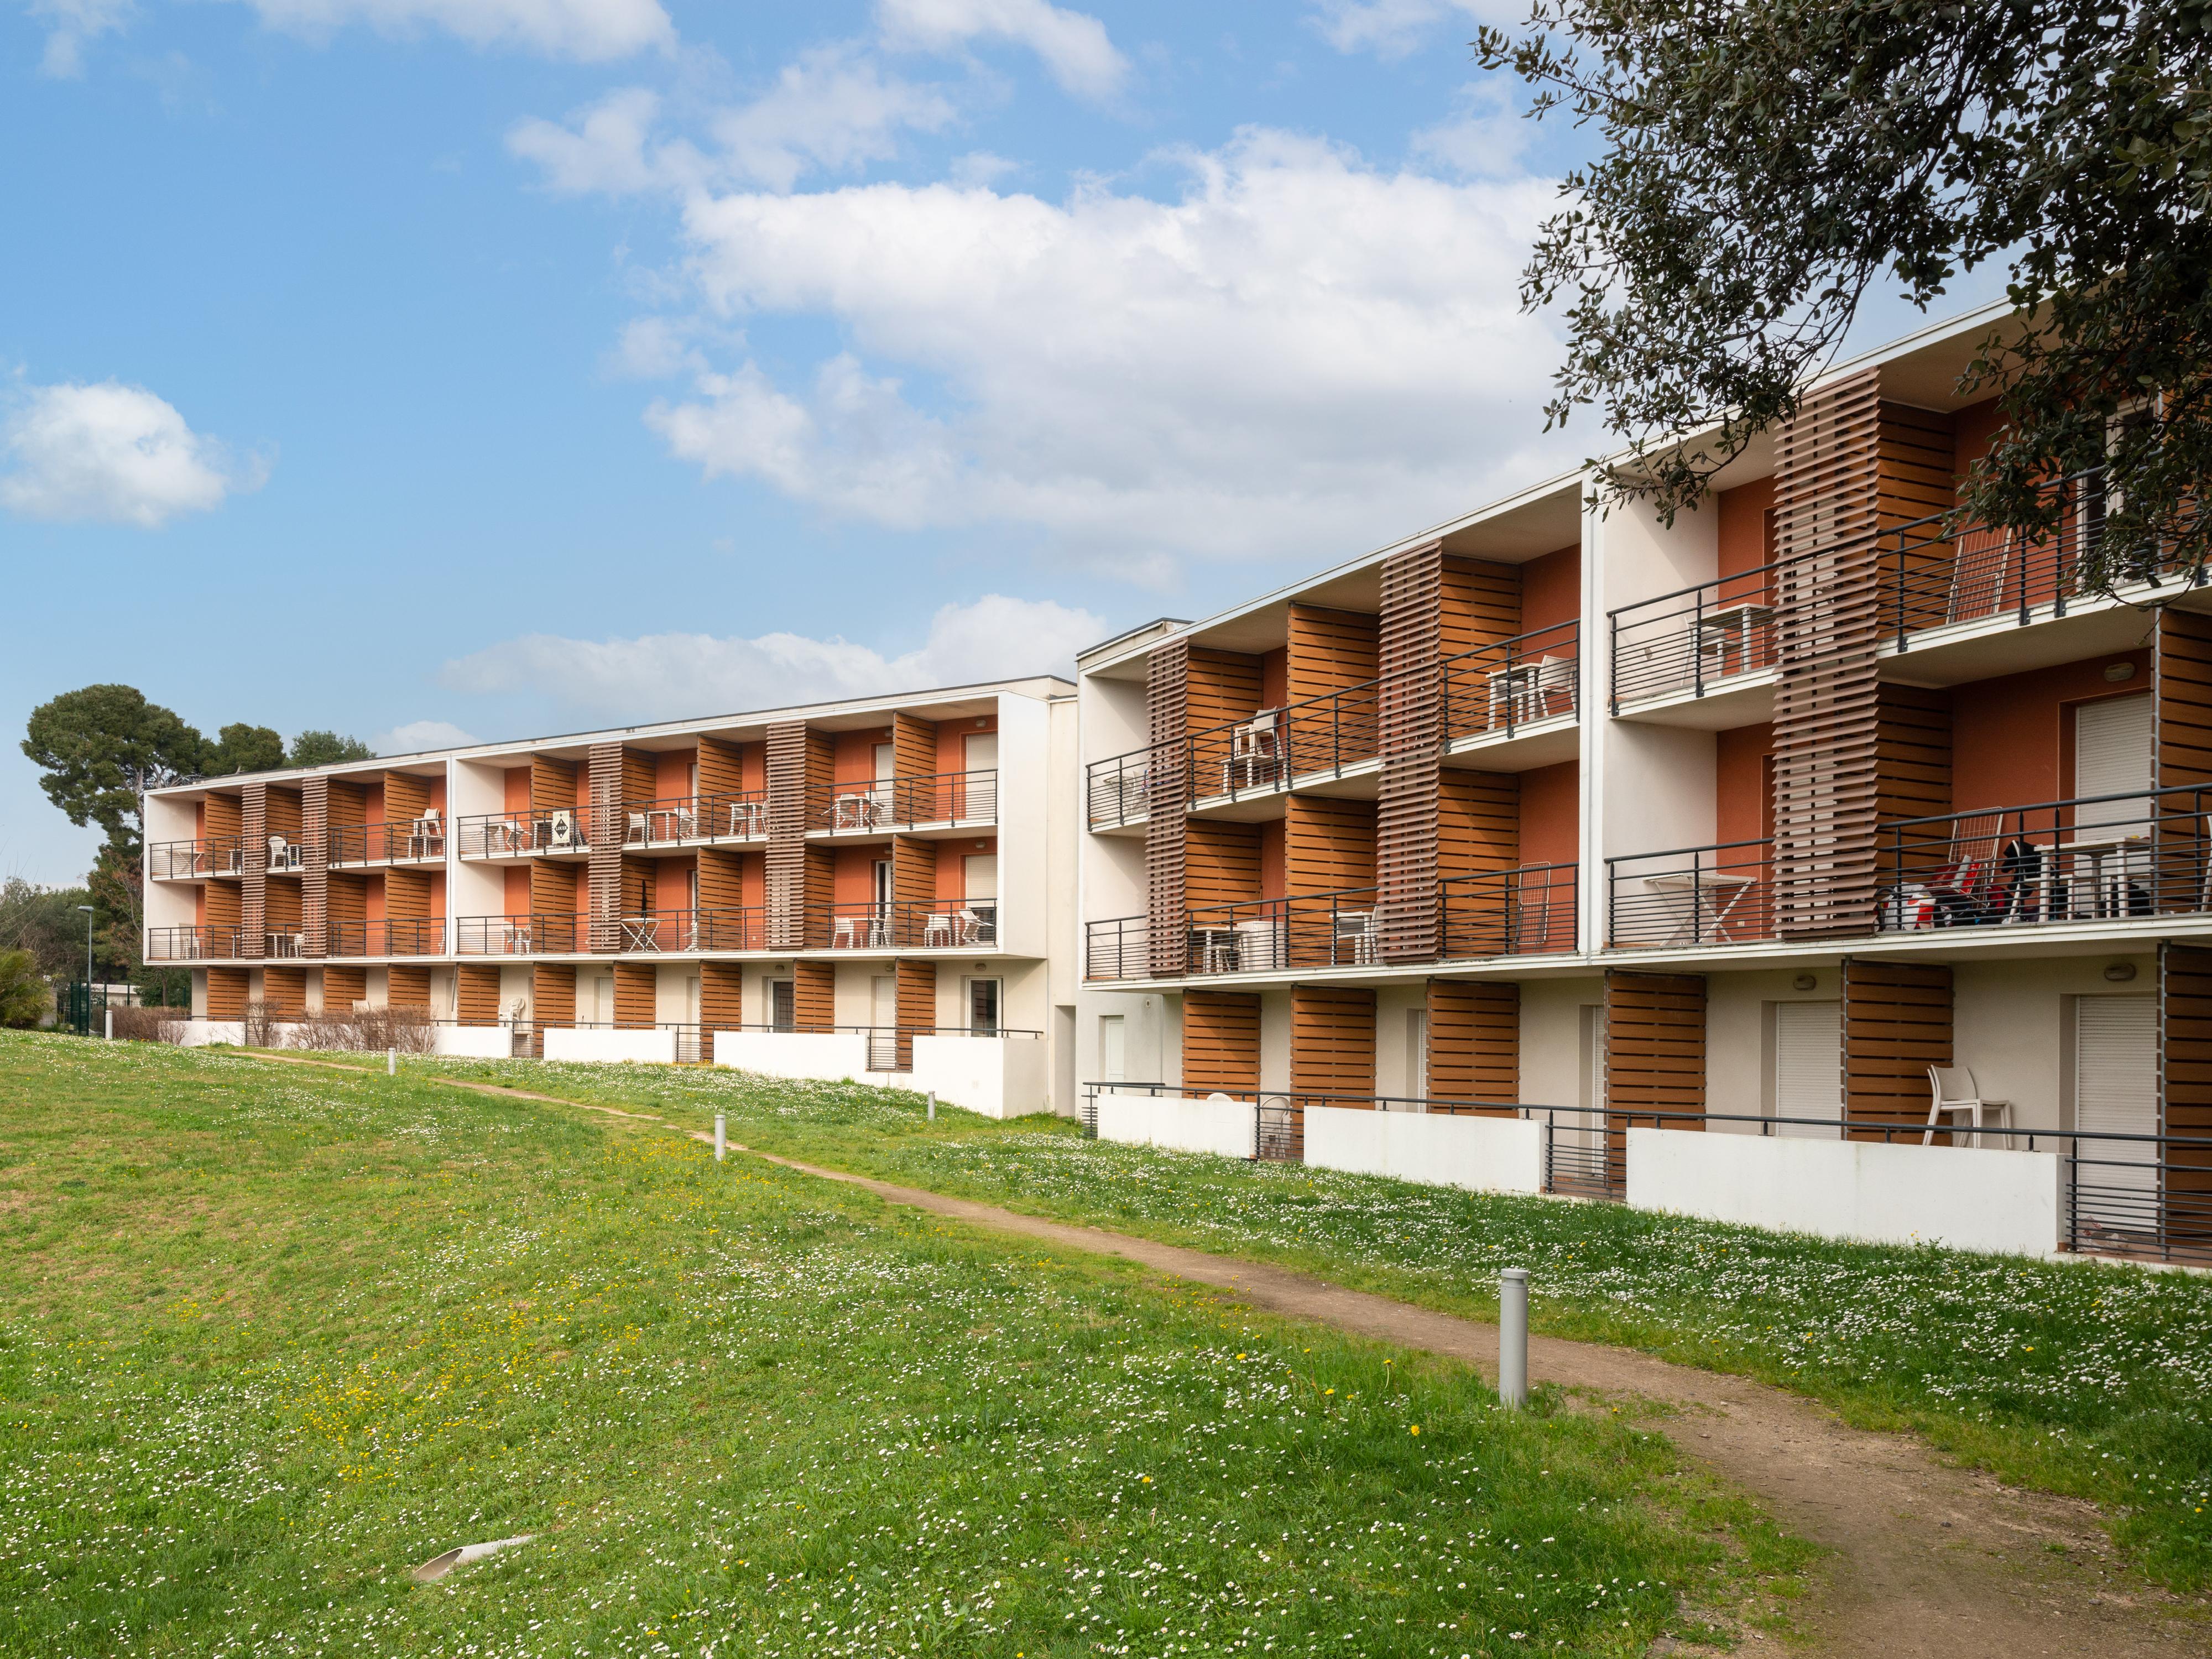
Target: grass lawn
[[2093, 1380], [270, 1336]]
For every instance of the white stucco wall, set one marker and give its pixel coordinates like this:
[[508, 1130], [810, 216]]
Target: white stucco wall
[[1738, 1061], [1224, 1127], [473, 1042], [654, 1045], [1550, 1038], [823, 1056], [1275, 1039], [1481, 1154], [999, 1077], [2013, 1027]]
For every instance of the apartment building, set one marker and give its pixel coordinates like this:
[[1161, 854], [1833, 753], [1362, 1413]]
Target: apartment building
[[1781, 821], [822, 892]]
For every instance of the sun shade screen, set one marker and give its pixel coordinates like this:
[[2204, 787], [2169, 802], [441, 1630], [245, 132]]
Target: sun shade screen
[[1809, 1066]]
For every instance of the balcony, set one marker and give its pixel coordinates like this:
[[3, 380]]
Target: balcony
[[286, 858], [416, 840], [1277, 748], [941, 924], [1494, 693], [1716, 636], [198, 943], [728, 929], [944, 801], [1312, 930], [696, 820], [1117, 948], [193, 860], [400, 937], [1529, 911], [1116, 791], [1693, 896], [2104, 859], [560, 832], [553, 933]]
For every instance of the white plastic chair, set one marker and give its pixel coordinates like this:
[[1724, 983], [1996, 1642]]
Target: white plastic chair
[[1953, 1094]]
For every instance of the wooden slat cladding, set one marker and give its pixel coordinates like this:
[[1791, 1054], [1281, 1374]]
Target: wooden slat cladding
[[1168, 713], [1474, 1046], [406, 797], [1480, 605], [346, 894], [1411, 713], [1478, 822], [607, 777], [407, 895], [1897, 1024], [476, 994], [788, 766], [1916, 476], [914, 873], [1221, 864], [1827, 500], [721, 878], [2184, 1065], [284, 992], [1220, 1043], [348, 801], [916, 994], [282, 905], [344, 987], [813, 996], [2181, 679], [721, 999], [228, 989], [721, 767], [637, 994], [407, 987], [1332, 1040], [253, 887], [552, 892], [1329, 650], [314, 873], [1328, 844], [222, 904], [225, 815], [281, 814], [1912, 752], [913, 745], [553, 993], [1219, 687], [552, 785], [1655, 1042]]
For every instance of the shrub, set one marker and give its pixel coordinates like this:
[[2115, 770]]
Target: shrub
[[410, 1030], [24, 998], [150, 1024]]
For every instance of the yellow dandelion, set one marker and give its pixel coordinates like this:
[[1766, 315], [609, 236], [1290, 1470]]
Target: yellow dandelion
[[1416, 1429]]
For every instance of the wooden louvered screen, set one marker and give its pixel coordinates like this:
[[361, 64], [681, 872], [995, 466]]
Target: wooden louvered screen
[[603, 931], [722, 883], [228, 989], [1480, 605], [1220, 1043], [914, 875], [552, 893], [476, 994], [253, 887], [721, 1001], [1328, 650], [408, 988], [224, 815], [917, 1005], [343, 988], [788, 750], [1655, 1042], [1478, 822], [280, 812], [552, 785], [1168, 710], [813, 996], [1897, 1024], [2184, 1065], [222, 904], [553, 993], [406, 899], [1912, 752], [1474, 1046], [1332, 1041], [1328, 844], [2181, 677], [1221, 864], [721, 769], [637, 994], [1411, 719], [314, 879], [281, 910], [406, 797], [284, 992], [1220, 687]]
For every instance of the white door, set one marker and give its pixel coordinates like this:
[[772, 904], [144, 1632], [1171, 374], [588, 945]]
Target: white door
[[1113, 1050], [983, 1007], [1808, 1067], [883, 1002], [2116, 1091], [2113, 756], [886, 772], [782, 1004], [979, 788], [1417, 1053], [979, 752]]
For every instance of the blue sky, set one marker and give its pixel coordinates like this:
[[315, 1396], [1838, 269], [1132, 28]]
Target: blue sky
[[429, 367]]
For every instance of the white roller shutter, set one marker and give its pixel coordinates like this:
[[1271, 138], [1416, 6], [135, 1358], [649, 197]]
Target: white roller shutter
[[2113, 756], [2116, 1089], [1808, 1066]]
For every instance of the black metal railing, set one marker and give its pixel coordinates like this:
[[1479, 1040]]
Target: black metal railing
[[1119, 947], [1694, 895], [541, 933], [1317, 737], [409, 841], [198, 942], [216, 855], [558, 831], [1495, 690], [890, 1047], [285, 857], [731, 927], [1528, 911], [391, 937], [1309, 930], [2104, 858], [948, 798], [685, 820], [868, 925], [1696, 639], [1117, 790]]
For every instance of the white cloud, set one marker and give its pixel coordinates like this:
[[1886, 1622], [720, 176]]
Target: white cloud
[[1392, 29], [1485, 139], [589, 30], [1298, 355], [833, 109], [665, 675], [417, 735], [113, 452], [1073, 45], [71, 24]]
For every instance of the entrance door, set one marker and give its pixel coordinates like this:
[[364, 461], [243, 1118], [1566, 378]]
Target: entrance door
[[782, 1004], [2116, 1092], [1808, 1067], [979, 788], [1113, 1050], [983, 1007]]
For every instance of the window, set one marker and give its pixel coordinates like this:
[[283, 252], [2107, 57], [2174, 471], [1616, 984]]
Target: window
[[1113, 1050], [983, 1007], [2113, 756], [979, 873], [782, 1004], [1808, 1067]]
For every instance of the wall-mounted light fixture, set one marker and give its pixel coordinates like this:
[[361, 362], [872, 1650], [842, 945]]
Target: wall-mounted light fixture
[[2118, 673], [1805, 982], [2119, 972]]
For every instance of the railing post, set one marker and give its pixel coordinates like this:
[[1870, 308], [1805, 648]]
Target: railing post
[[1611, 662], [1697, 640]]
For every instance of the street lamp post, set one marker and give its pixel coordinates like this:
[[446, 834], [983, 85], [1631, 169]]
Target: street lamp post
[[87, 908]]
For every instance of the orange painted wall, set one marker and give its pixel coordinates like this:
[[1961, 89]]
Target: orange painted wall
[[1551, 589], [856, 755], [583, 890], [1746, 528], [373, 903], [1275, 677], [438, 793], [1742, 802], [514, 898], [671, 884], [1551, 810], [1275, 870], [514, 789], [753, 760], [2012, 739], [200, 905], [373, 804], [855, 881], [1973, 428], [200, 820], [951, 753], [437, 911], [673, 774], [752, 876], [951, 873]]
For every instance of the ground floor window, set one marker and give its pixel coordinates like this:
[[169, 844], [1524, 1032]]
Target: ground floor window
[[782, 1006], [983, 1007]]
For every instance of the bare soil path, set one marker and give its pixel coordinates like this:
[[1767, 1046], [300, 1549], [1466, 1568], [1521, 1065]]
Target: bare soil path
[[1927, 1561]]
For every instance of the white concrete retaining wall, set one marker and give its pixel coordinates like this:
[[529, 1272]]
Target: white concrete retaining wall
[[819, 1056], [1482, 1154], [1967, 1197], [1179, 1124], [999, 1077], [472, 1041], [650, 1046], [200, 1033]]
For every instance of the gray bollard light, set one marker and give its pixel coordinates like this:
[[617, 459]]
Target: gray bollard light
[[933, 1105], [111, 1024], [392, 1062], [721, 1136], [1513, 1338]]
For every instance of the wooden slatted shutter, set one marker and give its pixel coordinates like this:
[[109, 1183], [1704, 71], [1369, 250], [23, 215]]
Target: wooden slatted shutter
[[343, 988], [314, 877], [1474, 1046], [1655, 1042], [813, 996], [1897, 1024], [253, 887], [917, 1005], [637, 994], [1412, 716], [227, 990], [476, 994], [721, 1001], [553, 993], [2181, 677], [284, 992], [1220, 1043], [2184, 1083], [1167, 706], [408, 988], [786, 835]]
